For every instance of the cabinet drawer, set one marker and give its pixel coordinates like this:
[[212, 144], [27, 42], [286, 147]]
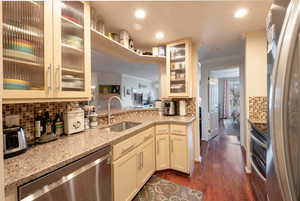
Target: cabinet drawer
[[162, 129], [126, 146], [147, 134], [178, 129]]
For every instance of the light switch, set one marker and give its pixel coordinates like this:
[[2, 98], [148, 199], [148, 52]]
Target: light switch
[[12, 120]]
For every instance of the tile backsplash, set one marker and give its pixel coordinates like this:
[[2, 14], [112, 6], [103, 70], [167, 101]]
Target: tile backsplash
[[27, 112], [258, 108]]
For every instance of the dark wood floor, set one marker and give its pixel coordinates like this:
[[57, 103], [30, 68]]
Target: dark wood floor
[[221, 175]]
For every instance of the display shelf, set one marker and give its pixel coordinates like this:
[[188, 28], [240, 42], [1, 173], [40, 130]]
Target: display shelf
[[69, 49], [71, 22], [69, 69], [101, 42], [23, 62]]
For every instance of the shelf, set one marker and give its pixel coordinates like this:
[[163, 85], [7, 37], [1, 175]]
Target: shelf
[[23, 62], [101, 42], [178, 80], [20, 30], [71, 50], [71, 22], [179, 59], [70, 70], [178, 70], [72, 89]]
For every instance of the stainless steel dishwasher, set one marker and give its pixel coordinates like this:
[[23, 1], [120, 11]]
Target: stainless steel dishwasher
[[87, 179]]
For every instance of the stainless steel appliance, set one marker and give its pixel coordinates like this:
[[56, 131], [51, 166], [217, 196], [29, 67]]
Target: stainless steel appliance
[[169, 108], [14, 141], [73, 121], [86, 179], [283, 157]]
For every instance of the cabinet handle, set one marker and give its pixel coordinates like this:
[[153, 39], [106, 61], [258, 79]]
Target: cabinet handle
[[142, 159], [172, 146], [49, 76], [157, 145], [58, 78]]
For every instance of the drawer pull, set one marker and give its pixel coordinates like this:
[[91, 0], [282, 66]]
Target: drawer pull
[[157, 145], [172, 146], [128, 149]]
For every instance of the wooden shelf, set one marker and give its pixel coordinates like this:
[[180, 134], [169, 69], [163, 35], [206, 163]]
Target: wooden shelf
[[100, 42], [69, 49], [71, 22], [70, 70], [23, 62]]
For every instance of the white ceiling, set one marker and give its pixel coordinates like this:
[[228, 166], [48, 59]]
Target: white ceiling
[[209, 23], [106, 63], [226, 73]]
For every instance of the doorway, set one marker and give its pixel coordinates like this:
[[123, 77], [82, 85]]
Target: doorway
[[224, 103]]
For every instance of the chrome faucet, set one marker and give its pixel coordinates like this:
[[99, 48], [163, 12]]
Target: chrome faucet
[[109, 105]]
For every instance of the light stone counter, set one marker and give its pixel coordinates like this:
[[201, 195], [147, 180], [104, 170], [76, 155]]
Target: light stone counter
[[45, 158]]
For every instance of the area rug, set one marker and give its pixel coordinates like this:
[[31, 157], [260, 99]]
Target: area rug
[[158, 189]]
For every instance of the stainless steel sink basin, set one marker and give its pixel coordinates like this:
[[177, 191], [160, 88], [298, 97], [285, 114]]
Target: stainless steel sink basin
[[119, 127]]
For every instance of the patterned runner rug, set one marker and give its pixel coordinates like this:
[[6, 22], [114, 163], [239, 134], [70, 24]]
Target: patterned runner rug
[[158, 189]]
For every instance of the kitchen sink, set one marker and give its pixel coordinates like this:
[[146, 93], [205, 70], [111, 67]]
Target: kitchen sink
[[119, 127]]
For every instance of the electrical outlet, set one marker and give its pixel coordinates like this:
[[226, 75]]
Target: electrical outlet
[[12, 120]]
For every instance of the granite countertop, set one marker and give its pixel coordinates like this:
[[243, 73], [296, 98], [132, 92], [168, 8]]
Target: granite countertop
[[45, 158], [124, 110]]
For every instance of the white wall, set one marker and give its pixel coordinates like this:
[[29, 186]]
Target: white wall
[[255, 74]]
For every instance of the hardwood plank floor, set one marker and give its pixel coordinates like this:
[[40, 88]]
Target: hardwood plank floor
[[221, 175]]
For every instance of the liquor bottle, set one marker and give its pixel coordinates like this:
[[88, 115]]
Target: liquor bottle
[[39, 124]]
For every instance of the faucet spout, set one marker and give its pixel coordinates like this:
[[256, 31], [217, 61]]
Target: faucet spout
[[109, 106]]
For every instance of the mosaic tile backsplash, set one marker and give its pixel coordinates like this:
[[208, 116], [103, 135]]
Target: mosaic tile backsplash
[[258, 108], [27, 112]]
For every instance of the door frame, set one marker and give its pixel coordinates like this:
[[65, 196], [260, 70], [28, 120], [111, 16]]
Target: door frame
[[236, 61]]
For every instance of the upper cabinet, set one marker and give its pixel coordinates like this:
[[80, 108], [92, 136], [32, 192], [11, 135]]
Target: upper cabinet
[[178, 69], [27, 49], [46, 50], [72, 49]]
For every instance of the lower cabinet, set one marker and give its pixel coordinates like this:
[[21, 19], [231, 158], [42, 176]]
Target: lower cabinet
[[132, 170], [146, 162], [162, 152], [179, 155], [125, 181]]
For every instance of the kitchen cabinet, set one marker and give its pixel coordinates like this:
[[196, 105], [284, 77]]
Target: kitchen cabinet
[[147, 162], [178, 153], [40, 39], [162, 152], [124, 174], [178, 69], [134, 164]]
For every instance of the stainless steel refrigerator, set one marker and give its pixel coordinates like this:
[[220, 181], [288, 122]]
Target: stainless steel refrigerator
[[283, 157]]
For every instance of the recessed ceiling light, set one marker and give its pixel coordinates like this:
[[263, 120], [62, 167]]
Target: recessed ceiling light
[[140, 14], [241, 13], [159, 35]]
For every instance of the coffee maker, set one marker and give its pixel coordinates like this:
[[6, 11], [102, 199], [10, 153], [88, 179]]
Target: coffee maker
[[169, 108]]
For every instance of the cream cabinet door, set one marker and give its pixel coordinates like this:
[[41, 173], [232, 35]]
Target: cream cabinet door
[[72, 49], [27, 50], [125, 179], [162, 152], [146, 160], [179, 156]]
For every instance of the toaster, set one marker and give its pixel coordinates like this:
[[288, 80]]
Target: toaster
[[14, 141], [73, 121]]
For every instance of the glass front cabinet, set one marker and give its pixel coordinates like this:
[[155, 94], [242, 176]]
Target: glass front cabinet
[[178, 68], [45, 50]]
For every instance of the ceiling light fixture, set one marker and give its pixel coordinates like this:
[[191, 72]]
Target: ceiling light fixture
[[241, 13], [140, 14], [159, 35]]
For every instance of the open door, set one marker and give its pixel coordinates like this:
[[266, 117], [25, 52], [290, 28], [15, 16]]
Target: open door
[[213, 108]]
